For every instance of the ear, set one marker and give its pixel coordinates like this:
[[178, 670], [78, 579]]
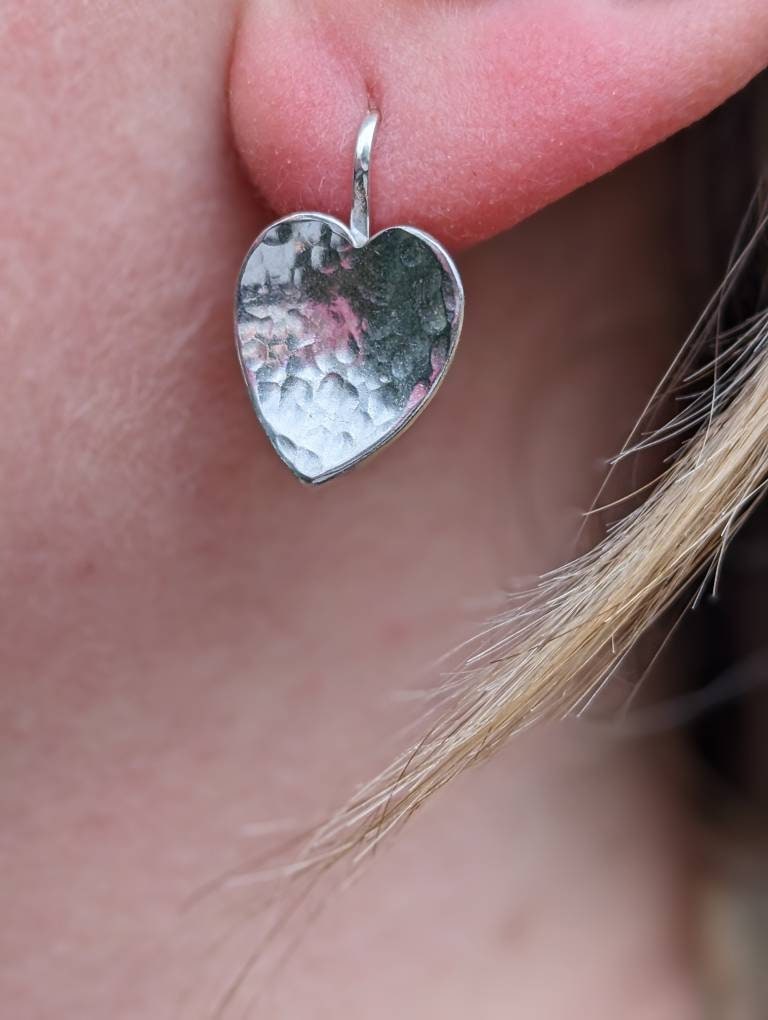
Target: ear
[[489, 109]]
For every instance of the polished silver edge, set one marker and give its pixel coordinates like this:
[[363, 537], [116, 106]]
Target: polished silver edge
[[456, 328]]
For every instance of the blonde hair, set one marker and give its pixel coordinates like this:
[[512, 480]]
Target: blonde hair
[[551, 652], [556, 647]]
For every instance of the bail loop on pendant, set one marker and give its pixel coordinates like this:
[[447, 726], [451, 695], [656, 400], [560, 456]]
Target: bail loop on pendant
[[360, 222]]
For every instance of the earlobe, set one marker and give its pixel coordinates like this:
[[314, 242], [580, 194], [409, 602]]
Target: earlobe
[[489, 110]]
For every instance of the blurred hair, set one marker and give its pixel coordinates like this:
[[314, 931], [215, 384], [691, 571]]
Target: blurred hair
[[556, 647]]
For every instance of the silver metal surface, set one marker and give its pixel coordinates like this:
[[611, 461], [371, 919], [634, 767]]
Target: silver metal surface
[[359, 223], [342, 339]]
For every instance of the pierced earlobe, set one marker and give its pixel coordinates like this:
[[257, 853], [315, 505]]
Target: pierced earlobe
[[492, 110]]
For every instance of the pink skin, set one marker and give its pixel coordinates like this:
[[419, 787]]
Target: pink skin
[[490, 111], [190, 641]]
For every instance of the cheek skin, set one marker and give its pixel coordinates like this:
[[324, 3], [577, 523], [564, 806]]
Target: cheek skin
[[123, 218], [490, 110], [195, 642], [191, 640]]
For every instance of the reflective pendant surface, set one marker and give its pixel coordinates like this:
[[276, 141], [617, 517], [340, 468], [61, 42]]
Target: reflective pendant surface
[[343, 339]]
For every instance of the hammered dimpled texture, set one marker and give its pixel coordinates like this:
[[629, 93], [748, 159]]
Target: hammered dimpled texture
[[342, 346]]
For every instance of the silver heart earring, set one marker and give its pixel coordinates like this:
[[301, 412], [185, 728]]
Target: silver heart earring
[[344, 338]]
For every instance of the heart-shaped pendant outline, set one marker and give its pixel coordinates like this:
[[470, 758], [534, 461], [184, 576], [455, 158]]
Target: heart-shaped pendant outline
[[456, 324]]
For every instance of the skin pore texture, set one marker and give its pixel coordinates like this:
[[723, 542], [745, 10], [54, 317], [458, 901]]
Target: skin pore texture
[[193, 645], [491, 109]]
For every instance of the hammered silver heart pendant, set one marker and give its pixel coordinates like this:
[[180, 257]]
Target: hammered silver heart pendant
[[342, 338]]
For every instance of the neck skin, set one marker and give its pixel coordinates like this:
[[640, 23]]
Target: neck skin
[[194, 643]]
